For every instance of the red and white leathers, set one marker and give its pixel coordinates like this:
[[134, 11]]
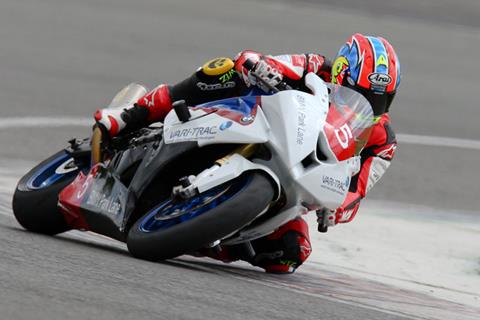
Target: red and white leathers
[[375, 159], [223, 78]]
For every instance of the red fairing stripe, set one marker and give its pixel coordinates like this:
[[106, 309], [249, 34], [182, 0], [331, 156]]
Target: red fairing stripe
[[158, 103], [339, 134], [70, 199]]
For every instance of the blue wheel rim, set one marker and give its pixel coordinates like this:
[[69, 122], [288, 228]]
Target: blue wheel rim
[[191, 208], [49, 174]]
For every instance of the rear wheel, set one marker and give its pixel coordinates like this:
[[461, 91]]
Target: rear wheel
[[36, 196], [174, 228]]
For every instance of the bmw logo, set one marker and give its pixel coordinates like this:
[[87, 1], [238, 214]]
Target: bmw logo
[[226, 125]]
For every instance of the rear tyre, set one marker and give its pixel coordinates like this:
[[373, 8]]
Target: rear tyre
[[163, 233], [35, 200]]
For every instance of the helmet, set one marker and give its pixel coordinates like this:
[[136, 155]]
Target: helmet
[[370, 66]]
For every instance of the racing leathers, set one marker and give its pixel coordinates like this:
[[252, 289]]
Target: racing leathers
[[289, 246]]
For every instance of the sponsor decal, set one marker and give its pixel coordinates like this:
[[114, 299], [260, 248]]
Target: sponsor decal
[[315, 62], [289, 263], [346, 215], [215, 86], [334, 185], [227, 76], [387, 153], [225, 125], [381, 61], [379, 79], [301, 116], [196, 133], [83, 189], [347, 135], [104, 203], [217, 66], [301, 128]]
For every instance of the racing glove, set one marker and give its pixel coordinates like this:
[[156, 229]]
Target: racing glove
[[263, 69], [325, 218], [329, 218]]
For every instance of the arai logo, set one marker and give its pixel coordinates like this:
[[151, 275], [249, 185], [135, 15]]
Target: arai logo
[[380, 79]]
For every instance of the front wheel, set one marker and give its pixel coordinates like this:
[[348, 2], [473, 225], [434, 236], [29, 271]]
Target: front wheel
[[174, 228], [35, 200]]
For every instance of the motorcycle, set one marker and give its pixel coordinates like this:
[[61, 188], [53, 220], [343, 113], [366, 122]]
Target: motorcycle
[[221, 173]]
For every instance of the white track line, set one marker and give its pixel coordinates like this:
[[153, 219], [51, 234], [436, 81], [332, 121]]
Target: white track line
[[438, 141], [46, 122], [49, 122]]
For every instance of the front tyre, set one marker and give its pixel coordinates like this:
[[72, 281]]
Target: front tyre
[[35, 200], [174, 228]]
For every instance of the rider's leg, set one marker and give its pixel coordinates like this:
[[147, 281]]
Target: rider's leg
[[282, 251]]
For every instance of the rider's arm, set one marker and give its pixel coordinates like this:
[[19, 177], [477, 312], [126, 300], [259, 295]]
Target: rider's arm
[[292, 68], [376, 157]]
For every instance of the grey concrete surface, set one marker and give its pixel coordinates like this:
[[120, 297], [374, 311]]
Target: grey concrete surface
[[70, 57], [65, 278], [456, 13]]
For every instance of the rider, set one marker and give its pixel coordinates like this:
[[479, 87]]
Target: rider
[[366, 64]]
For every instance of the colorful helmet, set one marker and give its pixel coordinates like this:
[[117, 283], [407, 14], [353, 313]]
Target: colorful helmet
[[370, 66]]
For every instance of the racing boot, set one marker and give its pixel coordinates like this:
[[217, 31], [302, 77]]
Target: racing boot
[[152, 107], [116, 120], [284, 250]]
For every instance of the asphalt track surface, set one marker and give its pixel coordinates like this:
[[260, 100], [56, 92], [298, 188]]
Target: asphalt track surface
[[67, 58]]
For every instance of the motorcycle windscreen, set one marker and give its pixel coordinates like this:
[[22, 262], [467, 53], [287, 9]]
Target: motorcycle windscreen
[[349, 122]]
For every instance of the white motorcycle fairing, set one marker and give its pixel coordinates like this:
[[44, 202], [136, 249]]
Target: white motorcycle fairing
[[292, 124]]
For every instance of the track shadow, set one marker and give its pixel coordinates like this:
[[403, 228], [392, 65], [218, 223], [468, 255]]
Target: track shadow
[[184, 262], [68, 239]]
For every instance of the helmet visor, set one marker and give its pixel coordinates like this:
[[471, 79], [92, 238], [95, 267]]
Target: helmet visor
[[380, 102]]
